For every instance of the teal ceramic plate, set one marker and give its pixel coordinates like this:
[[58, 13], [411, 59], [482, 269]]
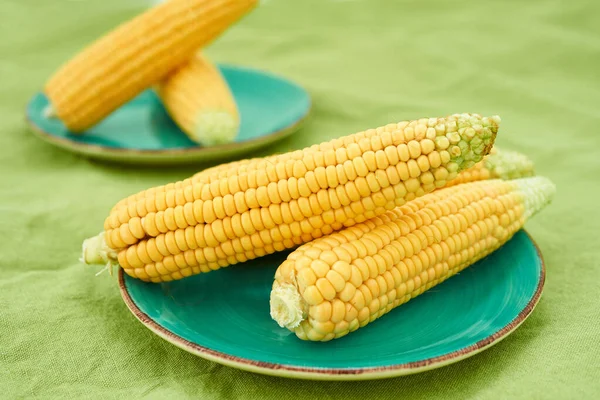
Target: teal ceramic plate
[[141, 131], [223, 316]]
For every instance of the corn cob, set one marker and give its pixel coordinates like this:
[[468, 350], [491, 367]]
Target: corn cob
[[521, 167], [334, 285], [200, 102], [247, 209], [499, 164], [135, 56]]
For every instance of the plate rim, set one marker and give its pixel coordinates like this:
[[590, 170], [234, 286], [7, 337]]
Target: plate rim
[[182, 154], [339, 374]]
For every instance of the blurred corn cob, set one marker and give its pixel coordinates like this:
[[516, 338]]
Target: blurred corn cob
[[199, 100], [134, 56]]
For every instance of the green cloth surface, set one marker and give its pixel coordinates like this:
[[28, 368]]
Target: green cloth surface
[[67, 334]]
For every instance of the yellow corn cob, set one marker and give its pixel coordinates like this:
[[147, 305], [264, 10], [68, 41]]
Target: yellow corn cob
[[499, 164], [517, 165], [200, 102], [203, 176], [334, 285], [135, 56], [247, 209]]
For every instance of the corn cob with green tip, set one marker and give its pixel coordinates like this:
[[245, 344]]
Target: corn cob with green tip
[[341, 282], [518, 165], [134, 56], [247, 209], [199, 100], [499, 164]]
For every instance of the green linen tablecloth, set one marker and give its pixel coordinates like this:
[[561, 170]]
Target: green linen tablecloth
[[66, 334]]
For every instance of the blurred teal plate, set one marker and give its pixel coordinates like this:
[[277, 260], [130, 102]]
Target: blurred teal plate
[[223, 316], [141, 131]]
